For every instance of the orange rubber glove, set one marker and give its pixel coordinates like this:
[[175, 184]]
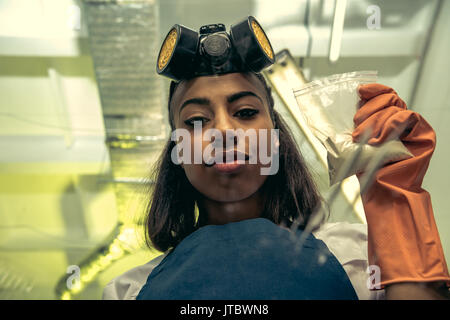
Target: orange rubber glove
[[403, 239]]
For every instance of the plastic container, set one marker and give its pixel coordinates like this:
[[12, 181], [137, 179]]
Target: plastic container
[[329, 105]]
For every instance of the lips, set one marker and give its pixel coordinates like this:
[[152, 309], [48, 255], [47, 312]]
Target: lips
[[232, 161]]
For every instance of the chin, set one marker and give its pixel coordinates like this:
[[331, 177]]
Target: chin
[[227, 195], [226, 188]]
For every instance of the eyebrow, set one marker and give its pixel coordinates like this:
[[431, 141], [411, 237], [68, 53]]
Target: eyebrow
[[230, 99], [236, 96], [200, 101]]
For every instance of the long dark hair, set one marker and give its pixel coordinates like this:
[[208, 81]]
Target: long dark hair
[[290, 195]]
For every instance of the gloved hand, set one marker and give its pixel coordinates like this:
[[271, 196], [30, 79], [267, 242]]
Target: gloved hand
[[403, 238]]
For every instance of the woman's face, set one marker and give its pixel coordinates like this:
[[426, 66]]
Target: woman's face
[[232, 101]]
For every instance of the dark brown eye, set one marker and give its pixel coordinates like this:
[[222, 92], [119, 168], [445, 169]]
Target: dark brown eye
[[246, 113]]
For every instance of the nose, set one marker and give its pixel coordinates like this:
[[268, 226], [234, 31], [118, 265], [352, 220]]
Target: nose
[[225, 124]]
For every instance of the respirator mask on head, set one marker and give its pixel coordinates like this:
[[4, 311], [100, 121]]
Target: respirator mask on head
[[186, 54]]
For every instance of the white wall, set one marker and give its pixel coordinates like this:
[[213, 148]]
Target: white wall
[[433, 102]]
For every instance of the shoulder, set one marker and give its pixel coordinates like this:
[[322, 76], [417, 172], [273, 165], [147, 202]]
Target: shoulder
[[348, 243], [350, 238], [127, 285]]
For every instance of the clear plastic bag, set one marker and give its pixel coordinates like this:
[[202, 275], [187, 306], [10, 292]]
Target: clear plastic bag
[[329, 105]]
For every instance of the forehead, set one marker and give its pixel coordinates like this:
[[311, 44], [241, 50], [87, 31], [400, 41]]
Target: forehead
[[217, 87]]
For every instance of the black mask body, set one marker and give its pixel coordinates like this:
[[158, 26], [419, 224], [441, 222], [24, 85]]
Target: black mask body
[[186, 54]]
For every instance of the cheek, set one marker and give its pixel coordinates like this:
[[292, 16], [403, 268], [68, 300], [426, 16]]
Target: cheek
[[262, 146]]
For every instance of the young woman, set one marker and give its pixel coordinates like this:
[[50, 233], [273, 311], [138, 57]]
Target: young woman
[[243, 241]]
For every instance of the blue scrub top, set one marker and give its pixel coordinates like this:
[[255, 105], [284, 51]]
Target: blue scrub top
[[246, 260]]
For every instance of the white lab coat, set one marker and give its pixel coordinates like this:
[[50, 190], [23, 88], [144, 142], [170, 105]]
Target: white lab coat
[[347, 241]]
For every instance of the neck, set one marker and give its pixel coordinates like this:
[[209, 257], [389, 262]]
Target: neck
[[226, 212]]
